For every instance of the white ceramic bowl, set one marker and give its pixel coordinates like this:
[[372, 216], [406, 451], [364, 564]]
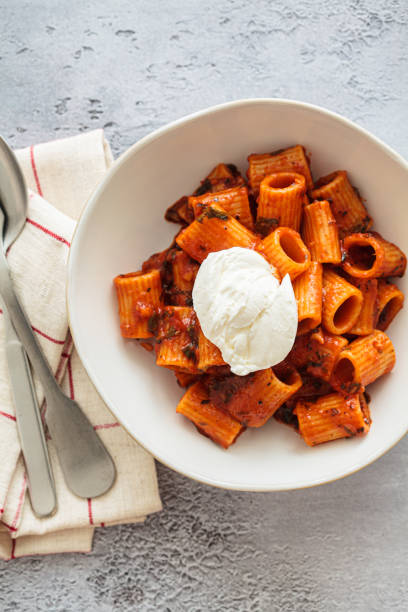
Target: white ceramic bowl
[[123, 224]]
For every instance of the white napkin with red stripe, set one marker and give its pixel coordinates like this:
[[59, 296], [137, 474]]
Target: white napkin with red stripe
[[61, 175]]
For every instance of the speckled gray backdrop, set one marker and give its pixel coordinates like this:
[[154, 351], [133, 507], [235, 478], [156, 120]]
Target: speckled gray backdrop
[[131, 66]]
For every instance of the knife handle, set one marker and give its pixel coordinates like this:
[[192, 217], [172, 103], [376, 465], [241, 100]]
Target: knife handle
[[29, 424]]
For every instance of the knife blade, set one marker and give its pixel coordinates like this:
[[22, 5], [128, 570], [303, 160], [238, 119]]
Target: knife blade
[[29, 424]]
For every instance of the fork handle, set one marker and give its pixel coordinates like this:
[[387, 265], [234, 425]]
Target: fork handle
[[30, 428], [86, 464]]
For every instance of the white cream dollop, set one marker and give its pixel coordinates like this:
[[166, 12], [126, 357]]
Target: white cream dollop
[[244, 310]]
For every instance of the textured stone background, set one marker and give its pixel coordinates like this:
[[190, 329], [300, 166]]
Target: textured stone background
[[130, 67]]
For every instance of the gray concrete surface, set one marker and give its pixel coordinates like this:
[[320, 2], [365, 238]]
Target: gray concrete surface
[[131, 66]]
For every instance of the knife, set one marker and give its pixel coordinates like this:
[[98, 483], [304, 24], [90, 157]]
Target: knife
[[41, 484]]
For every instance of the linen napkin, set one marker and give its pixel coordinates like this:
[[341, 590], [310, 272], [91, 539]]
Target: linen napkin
[[61, 175]]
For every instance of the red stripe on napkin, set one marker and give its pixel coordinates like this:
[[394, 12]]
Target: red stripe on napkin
[[20, 503], [38, 331], [106, 426], [71, 381], [34, 168], [49, 232], [9, 527], [44, 335], [7, 415], [90, 511]]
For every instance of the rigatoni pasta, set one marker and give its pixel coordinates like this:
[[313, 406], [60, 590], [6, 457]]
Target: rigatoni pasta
[[280, 201], [348, 209], [362, 362], [214, 230], [223, 176], [234, 201], [293, 159], [342, 303], [285, 249], [318, 233], [324, 349], [209, 420], [390, 300], [138, 299], [308, 293], [253, 399], [366, 321], [331, 417], [370, 256], [209, 355], [176, 345]]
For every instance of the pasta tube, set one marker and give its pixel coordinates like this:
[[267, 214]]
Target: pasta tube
[[214, 230], [285, 249], [362, 362], [308, 293], [176, 345], [390, 302], [342, 303], [331, 417], [138, 297], [177, 290], [346, 204], [324, 349], [253, 399], [223, 176], [287, 160], [208, 419], [209, 355], [320, 233], [233, 201], [370, 256], [280, 201], [367, 318]]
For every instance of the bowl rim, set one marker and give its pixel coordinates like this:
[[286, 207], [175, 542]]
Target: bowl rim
[[86, 211]]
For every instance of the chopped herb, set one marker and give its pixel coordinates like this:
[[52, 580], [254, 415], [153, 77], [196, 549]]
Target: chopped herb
[[189, 352], [265, 225], [204, 187], [233, 169], [260, 402], [153, 323], [172, 332], [353, 388], [191, 330], [348, 430], [205, 401], [213, 213], [148, 289], [277, 152]]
